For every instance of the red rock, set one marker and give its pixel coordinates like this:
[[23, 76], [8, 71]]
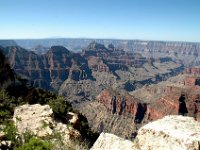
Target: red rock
[[175, 101], [122, 104]]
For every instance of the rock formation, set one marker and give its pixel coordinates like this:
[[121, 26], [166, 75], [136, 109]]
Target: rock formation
[[175, 97], [49, 70], [38, 120], [123, 104], [168, 133], [58, 64], [112, 67], [183, 52], [171, 132], [155, 46], [102, 120], [108, 141]]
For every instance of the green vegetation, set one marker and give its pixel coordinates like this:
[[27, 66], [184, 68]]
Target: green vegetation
[[10, 132], [15, 91], [7, 105], [35, 144]]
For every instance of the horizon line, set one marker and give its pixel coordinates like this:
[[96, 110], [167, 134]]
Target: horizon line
[[91, 38]]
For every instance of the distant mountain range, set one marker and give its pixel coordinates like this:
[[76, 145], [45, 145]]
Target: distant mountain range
[[183, 52], [77, 44]]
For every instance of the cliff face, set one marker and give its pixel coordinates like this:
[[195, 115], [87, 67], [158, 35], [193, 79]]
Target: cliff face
[[48, 71], [7, 75], [95, 63], [122, 104], [115, 59], [155, 102], [184, 52]]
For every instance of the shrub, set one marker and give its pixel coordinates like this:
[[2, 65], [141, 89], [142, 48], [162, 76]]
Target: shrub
[[6, 106], [35, 144], [10, 132]]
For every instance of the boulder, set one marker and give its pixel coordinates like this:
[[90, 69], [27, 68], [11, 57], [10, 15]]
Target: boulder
[[107, 141], [169, 133], [35, 118], [39, 120]]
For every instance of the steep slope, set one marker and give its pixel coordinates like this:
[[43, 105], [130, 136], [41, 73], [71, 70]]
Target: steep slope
[[7, 75], [49, 70], [178, 95], [118, 69], [97, 67]]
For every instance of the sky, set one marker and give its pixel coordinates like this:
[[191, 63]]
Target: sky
[[170, 20]]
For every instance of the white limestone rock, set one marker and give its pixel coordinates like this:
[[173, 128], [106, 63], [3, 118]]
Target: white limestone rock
[[39, 120], [107, 141], [35, 118], [169, 133]]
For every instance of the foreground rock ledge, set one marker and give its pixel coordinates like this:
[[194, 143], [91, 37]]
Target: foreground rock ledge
[[107, 141], [38, 119], [169, 133]]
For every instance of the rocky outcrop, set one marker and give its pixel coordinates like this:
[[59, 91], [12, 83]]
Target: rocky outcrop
[[38, 120], [95, 46], [123, 104], [49, 70], [115, 58], [171, 132], [108, 141], [168, 133], [154, 102], [97, 64], [101, 119], [174, 101], [35, 118]]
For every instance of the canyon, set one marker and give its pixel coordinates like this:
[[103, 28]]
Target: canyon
[[59, 69], [117, 110], [183, 52], [118, 85]]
